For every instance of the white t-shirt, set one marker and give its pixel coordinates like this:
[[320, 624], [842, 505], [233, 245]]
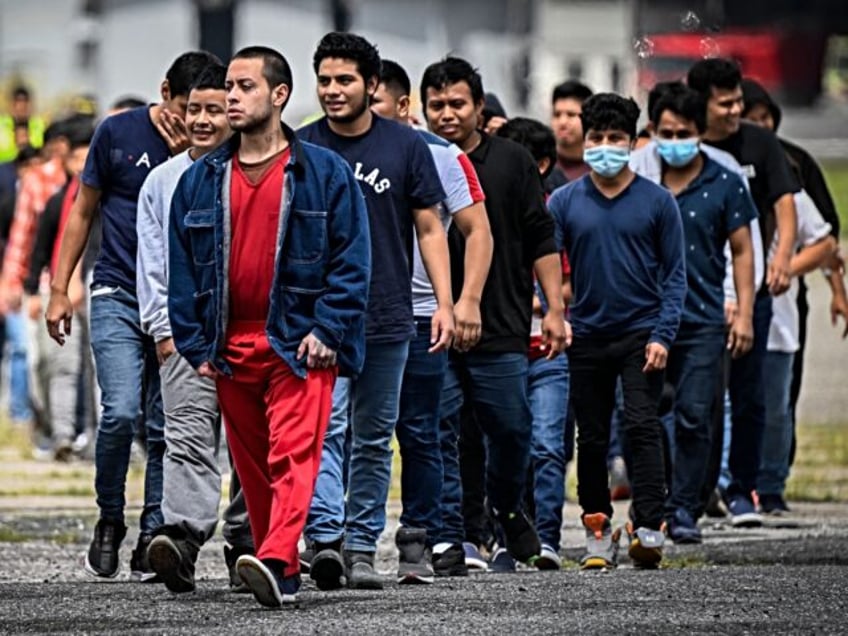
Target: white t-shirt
[[812, 228]]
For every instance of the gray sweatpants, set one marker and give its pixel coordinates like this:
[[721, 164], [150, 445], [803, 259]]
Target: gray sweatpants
[[191, 491]]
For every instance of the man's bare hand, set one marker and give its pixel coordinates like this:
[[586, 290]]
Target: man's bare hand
[[318, 355], [730, 311], [556, 334], [208, 370], [740, 339], [839, 307], [469, 324], [778, 275], [656, 357], [442, 330], [494, 124], [59, 316], [164, 350], [173, 130]]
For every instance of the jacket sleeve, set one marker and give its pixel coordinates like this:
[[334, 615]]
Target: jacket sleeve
[[151, 268], [45, 238], [186, 323], [349, 268], [673, 267]]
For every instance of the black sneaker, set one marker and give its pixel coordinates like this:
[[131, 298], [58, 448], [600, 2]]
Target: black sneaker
[[140, 569], [173, 560], [414, 560], [449, 560], [522, 542], [264, 578], [231, 556], [327, 567], [773, 505], [102, 557], [360, 571]]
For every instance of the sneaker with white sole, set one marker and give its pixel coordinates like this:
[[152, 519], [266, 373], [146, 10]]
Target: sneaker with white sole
[[474, 559], [101, 560], [269, 588], [743, 513], [414, 559], [502, 562], [601, 546]]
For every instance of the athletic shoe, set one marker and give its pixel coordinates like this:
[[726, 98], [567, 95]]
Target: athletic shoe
[[715, 506], [645, 546], [414, 560], [474, 559], [521, 538], [269, 587], [743, 514], [549, 559], [140, 569], [501, 562], [619, 484], [327, 568], [231, 556], [360, 571], [102, 557], [773, 505], [682, 528], [601, 549], [173, 560], [449, 560]]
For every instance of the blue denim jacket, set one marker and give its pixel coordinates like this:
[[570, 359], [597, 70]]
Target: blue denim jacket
[[322, 263]]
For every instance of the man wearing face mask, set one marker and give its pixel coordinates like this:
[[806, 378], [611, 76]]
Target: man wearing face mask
[[624, 238], [715, 207]]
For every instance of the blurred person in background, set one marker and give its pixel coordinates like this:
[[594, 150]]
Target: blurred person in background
[[20, 126], [125, 148], [566, 105]]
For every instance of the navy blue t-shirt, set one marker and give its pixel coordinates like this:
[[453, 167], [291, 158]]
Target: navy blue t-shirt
[[713, 206], [125, 148], [396, 173], [626, 253]]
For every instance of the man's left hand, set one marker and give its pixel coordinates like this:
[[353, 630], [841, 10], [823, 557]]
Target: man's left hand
[[318, 355]]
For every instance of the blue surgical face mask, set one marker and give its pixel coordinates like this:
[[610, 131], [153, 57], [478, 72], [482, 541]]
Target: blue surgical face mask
[[607, 161], [678, 152]]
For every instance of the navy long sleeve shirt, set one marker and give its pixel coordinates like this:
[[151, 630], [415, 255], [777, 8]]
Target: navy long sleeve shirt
[[627, 258]]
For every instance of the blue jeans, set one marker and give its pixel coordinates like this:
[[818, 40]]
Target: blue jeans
[[128, 374], [777, 436], [370, 404], [694, 369], [496, 386], [418, 434], [748, 405], [16, 340], [547, 390]]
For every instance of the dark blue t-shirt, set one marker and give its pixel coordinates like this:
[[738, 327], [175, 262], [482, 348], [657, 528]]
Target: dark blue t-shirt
[[125, 148], [626, 253], [396, 173], [713, 206]]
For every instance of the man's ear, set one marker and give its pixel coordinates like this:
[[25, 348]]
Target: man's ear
[[478, 113], [403, 107], [545, 166], [280, 95], [165, 91], [371, 85]]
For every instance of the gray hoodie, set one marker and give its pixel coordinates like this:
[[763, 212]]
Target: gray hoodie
[[154, 207]]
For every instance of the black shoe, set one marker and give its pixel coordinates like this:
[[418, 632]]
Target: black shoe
[[265, 579], [140, 569], [102, 558], [360, 571], [449, 560], [231, 556], [327, 568], [522, 542], [773, 505], [413, 556], [173, 560]]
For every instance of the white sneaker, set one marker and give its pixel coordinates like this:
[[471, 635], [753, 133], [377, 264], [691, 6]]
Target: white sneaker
[[548, 559]]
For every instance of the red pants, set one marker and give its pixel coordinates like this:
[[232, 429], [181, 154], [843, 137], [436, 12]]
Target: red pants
[[275, 425]]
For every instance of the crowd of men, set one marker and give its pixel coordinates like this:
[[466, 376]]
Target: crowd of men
[[479, 289]]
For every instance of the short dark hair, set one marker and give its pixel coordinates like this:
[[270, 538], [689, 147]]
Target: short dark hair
[[275, 67], [712, 73], [27, 153], [185, 69], [688, 104], [349, 46], [20, 92], [395, 77], [128, 101], [533, 135], [213, 77], [608, 111], [80, 131], [661, 89], [450, 71], [571, 89]]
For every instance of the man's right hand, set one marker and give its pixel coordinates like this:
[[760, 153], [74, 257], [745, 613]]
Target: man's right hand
[[58, 316], [164, 350], [208, 370]]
